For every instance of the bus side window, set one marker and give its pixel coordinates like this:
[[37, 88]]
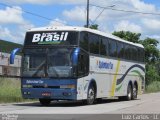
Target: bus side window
[[112, 48], [126, 52], [84, 43], [120, 50], [135, 54], [94, 44], [103, 46], [141, 55]]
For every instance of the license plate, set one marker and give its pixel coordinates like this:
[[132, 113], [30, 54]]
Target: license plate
[[46, 94]]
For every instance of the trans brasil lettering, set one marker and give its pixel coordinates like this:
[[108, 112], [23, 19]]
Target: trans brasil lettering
[[52, 37], [105, 65]]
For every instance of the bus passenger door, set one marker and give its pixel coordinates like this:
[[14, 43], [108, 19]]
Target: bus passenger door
[[83, 71]]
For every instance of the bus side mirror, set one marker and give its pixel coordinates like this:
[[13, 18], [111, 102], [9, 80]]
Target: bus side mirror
[[13, 53], [75, 56]]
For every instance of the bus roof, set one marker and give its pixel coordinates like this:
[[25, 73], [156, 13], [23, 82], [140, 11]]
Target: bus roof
[[72, 28]]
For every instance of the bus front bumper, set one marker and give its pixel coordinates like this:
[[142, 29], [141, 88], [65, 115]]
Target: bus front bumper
[[54, 94]]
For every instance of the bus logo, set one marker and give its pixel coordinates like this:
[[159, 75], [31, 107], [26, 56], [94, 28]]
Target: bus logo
[[50, 38], [105, 65]]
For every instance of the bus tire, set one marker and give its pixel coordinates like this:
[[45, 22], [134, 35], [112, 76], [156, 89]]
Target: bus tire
[[121, 98], [129, 93], [91, 95], [99, 100], [135, 91], [45, 102]]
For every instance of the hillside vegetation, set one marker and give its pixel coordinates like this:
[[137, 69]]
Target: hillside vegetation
[[7, 47]]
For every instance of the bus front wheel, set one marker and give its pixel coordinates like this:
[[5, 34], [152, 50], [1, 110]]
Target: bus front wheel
[[91, 95], [45, 102]]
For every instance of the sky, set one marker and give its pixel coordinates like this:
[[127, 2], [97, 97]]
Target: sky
[[16, 16]]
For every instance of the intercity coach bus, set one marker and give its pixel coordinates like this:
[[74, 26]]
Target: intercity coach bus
[[76, 63]]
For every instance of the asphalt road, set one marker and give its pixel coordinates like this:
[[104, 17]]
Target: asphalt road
[[146, 103]]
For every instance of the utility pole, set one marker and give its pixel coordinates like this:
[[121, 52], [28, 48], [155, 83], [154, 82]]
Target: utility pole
[[87, 14]]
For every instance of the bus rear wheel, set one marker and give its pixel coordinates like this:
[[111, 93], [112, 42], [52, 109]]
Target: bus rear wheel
[[134, 96], [45, 102], [129, 93], [91, 95]]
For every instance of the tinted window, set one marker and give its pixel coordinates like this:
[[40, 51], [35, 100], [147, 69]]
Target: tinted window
[[130, 49], [94, 43], [120, 50], [141, 55], [103, 46], [126, 52], [112, 48], [134, 54], [84, 41]]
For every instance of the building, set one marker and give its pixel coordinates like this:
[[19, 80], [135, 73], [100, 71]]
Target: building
[[7, 69]]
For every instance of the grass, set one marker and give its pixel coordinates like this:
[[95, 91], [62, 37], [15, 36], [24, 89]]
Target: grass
[[153, 87], [10, 90]]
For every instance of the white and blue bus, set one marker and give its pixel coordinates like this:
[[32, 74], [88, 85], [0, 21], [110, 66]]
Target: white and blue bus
[[75, 63]]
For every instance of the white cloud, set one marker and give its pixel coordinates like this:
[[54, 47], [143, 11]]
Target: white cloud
[[127, 4], [127, 26], [17, 34], [142, 6], [79, 14], [14, 16], [152, 24], [154, 36], [45, 2], [76, 14], [11, 16], [6, 34], [57, 22]]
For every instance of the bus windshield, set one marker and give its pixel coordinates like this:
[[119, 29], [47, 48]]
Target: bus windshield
[[54, 62]]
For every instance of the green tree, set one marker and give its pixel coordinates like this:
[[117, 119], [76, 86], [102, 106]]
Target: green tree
[[151, 74], [127, 35], [158, 64], [94, 26], [151, 50]]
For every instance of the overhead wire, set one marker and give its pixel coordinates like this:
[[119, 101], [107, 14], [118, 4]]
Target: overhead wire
[[31, 13], [129, 11]]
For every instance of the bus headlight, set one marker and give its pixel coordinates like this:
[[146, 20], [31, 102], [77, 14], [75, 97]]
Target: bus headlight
[[67, 86], [27, 86]]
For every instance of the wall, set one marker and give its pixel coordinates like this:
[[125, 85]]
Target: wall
[[7, 69]]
